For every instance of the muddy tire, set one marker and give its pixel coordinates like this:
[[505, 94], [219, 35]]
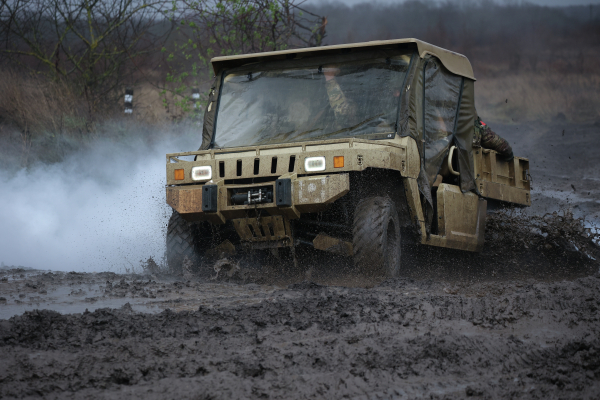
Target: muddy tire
[[181, 243], [376, 237]]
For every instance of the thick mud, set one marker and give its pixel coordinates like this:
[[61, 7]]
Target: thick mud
[[519, 320], [402, 338]]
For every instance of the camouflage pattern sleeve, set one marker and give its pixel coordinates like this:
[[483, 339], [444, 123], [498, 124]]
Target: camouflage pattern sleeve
[[344, 110], [489, 139], [478, 133]]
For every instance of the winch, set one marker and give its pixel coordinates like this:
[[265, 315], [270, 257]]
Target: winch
[[253, 196]]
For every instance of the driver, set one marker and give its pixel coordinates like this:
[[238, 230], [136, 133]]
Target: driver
[[343, 108]]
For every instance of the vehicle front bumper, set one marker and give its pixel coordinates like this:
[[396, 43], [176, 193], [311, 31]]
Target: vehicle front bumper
[[308, 194]]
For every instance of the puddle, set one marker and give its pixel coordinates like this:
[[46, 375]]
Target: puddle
[[9, 310], [69, 293]]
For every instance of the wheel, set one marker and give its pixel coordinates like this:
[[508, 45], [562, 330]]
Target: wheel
[[376, 237], [182, 237]]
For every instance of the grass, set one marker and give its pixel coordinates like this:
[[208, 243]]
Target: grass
[[34, 104], [530, 96]]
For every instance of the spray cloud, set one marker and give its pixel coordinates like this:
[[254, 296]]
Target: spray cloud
[[101, 209]]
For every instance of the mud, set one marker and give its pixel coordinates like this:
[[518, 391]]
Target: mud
[[402, 338], [519, 320], [75, 292]]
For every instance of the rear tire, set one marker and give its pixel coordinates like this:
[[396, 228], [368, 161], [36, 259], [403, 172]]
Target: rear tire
[[376, 237], [182, 238]]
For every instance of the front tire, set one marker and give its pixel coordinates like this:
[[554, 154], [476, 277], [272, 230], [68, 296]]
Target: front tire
[[376, 237], [182, 238]]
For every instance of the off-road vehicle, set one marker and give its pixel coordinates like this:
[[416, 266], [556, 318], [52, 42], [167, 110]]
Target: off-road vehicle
[[354, 149]]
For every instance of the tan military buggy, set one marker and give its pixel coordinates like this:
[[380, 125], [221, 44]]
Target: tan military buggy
[[354, 149]]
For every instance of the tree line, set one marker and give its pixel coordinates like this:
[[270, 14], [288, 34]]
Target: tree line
[[93, 49], [99, 46], [495, 36]]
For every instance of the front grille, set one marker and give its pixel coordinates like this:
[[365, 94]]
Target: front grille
[[256, 167]]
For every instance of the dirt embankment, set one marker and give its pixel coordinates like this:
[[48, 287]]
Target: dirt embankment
[[402, 339]]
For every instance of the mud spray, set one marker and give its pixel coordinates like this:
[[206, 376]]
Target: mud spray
[[101, 209]]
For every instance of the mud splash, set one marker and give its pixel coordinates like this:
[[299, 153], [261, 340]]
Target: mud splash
[[559, 229]]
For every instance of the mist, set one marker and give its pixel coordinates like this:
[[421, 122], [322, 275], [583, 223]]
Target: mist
[[100, 209]]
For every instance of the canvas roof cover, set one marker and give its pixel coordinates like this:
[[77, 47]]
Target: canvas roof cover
[[454, 62]]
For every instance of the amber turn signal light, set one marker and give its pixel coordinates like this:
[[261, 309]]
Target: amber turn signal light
[[179, 175], [338, 162]]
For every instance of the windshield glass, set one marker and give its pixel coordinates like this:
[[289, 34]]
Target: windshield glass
[[328, 100]]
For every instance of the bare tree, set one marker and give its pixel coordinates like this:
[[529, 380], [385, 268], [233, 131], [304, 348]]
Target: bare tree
[[94, 44], [211, 28], [248, 26]]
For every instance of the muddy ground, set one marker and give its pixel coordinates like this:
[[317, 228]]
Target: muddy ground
[[520, 320], [403, 338]]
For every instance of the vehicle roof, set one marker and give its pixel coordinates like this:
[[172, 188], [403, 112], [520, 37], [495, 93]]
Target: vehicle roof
[[454, 62]]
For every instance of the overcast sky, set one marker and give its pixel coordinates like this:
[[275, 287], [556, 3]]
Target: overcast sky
[[540, 2]]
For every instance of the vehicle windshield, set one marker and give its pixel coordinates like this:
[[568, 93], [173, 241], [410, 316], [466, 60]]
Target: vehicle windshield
[[327, 100]]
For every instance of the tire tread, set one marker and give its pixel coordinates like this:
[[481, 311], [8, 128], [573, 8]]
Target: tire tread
[[371, 218]]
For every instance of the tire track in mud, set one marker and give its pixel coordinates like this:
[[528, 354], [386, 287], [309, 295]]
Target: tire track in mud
[[403, 339]]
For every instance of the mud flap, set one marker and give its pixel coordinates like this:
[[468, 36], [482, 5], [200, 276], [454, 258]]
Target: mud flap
[[461, 223]]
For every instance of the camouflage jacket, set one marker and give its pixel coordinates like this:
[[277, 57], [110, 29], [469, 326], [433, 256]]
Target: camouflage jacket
[[344, 109], [487, 138]]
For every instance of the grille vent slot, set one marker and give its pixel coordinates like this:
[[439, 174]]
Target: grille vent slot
[[274, 165], [256, 166]]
